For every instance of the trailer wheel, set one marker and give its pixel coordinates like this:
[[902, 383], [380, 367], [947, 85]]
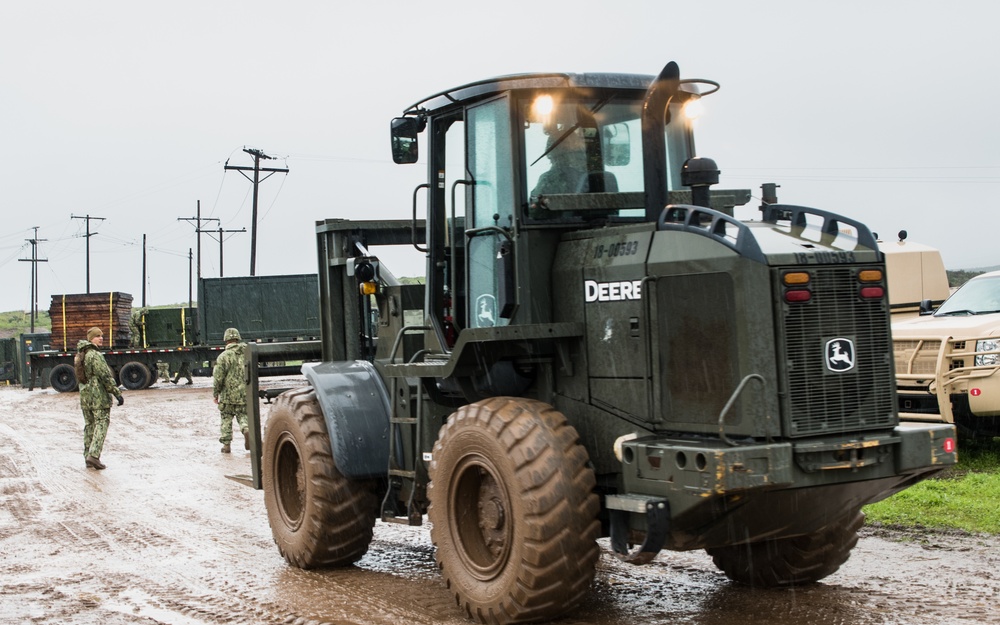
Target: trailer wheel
[[513, 511], [318, 517], [791, 561], [134, 376], [63, 378]]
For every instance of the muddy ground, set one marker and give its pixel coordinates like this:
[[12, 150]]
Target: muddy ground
[[162, 536]]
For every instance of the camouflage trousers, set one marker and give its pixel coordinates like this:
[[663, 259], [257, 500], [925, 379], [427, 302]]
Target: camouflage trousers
[[230, 412], [95, 429]]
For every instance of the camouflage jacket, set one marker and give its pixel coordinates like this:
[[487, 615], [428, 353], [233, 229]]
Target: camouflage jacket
[[228, 383], [96, 393]]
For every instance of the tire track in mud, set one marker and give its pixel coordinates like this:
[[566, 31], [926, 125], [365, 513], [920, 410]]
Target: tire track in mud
[[162, 536], [181, 571]]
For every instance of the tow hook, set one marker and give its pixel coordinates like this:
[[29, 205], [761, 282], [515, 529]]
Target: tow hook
[[657, 526]]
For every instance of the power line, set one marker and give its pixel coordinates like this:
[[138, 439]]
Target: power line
[[197, 219], [34, 260], [88, 235], [256, 180]]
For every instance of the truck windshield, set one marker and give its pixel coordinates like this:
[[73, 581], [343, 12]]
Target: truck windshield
[[978, 296], [575, 148]]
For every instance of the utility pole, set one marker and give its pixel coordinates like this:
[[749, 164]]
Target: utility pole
[[190, 268], [143, 270], [221, 232], [197, 228], [256, 180], [34, 260], [89, 234]]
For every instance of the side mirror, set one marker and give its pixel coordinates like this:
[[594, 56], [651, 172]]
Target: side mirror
[[926, 307], [616, 145], [404, 132]]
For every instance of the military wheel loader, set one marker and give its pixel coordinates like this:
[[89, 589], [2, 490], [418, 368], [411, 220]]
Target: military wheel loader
[[598, 349]]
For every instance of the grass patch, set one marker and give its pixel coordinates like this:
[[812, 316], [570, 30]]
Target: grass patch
[[965, 497]]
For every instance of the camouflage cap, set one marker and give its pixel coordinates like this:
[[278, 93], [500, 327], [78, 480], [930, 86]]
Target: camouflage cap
[[232, 334]]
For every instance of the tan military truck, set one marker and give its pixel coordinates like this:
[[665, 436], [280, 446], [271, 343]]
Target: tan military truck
[[948, 362], [916, 277]]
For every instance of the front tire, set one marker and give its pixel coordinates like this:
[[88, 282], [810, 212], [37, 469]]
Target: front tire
[[791, 561], [513, 511], [318, 517]]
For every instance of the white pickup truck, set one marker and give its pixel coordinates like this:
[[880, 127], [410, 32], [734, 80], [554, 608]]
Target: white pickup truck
[[948, 362]]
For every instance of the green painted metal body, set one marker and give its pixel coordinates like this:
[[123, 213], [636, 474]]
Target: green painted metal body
[[264, 308], [666, 335]]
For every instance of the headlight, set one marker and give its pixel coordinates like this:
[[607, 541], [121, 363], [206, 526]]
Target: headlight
[[986, 360]]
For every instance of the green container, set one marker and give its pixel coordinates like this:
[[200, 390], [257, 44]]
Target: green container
[[263, 308], [37, 342], [8, 360], [166, 327]]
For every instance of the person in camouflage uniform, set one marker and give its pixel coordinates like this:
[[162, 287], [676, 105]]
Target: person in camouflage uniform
[[184, 371], [97, 385], [229, 389]]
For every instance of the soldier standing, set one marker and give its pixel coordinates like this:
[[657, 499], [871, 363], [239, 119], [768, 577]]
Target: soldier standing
[[96, 387], [229, 389]]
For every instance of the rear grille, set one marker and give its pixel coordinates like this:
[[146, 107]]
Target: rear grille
[[821, 402]]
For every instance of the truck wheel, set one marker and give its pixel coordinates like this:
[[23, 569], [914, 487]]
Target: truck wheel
[[512, 511], [790, 561], [318, 517], [134, 376], [63, 378]]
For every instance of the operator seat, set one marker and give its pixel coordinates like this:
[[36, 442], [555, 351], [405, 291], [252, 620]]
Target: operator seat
[[597, 182]]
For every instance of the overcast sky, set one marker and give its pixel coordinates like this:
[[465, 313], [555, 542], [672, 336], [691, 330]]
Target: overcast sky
[[127, 111]]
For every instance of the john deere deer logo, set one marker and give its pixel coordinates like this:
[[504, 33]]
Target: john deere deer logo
[[840, 355]]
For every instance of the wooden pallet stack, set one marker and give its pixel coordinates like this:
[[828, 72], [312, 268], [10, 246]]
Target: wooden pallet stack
[[72, 315]]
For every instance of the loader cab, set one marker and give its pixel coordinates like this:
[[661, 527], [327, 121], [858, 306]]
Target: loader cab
[[515, 163]]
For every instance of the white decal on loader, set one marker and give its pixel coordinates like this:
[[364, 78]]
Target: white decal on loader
[[594, 291]]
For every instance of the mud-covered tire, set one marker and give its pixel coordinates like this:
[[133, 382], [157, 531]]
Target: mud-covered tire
[[63, 378], [791, 561], [318, 517], [134, 376], [513, 511]]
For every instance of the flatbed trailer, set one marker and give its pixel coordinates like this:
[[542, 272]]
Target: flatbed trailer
[[136, 368]]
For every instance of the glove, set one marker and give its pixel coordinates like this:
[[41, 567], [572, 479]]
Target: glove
[[121, 400]]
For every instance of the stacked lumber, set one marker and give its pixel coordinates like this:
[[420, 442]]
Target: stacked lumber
[[73, 315]]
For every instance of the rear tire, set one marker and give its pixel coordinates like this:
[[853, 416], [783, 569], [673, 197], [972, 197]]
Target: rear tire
[[134, 376], [513, 511], [790, 561], [63, 378], [318, 517]]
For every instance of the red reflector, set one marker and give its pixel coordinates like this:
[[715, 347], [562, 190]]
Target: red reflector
[[872, 292], [949, 445], [798, 295]]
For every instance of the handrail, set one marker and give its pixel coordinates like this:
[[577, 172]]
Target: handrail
[[732, 400], [413, 224]]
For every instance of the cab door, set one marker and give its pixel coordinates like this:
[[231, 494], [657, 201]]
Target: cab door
[[490, 224]]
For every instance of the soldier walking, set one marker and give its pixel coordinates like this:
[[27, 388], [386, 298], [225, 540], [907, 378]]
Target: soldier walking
[[229, 389], [96, 387], [184, 371]]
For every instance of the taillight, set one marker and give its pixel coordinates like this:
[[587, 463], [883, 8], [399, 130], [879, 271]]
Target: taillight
[[795, 296], [871, 284], [872, 292], [796, 286]]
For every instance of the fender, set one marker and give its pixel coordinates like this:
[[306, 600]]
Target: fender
[[355, 406]]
